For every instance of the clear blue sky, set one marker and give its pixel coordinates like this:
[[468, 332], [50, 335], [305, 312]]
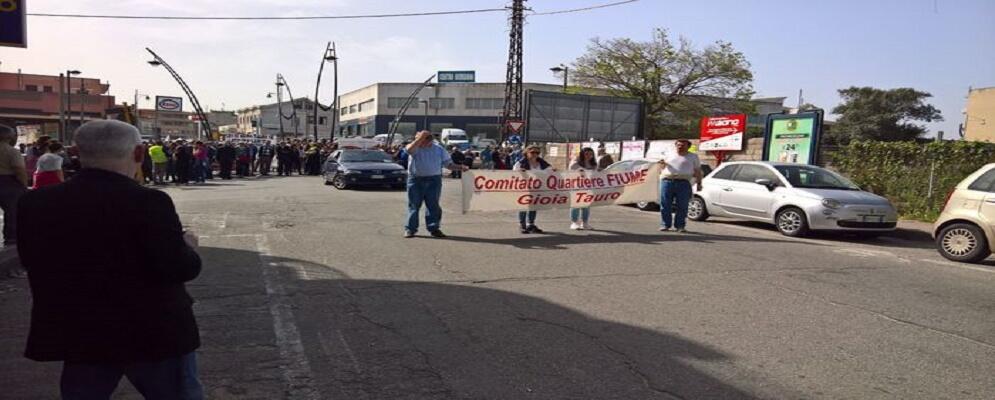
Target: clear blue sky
[[941, 46]]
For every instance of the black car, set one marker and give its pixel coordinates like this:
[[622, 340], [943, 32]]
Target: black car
[[347, 168]]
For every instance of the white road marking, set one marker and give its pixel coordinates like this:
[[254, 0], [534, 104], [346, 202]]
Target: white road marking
[[296, 369], [224, 221], [348, 350]]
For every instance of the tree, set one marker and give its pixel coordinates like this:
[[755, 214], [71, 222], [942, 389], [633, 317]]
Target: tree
[[875, 114], [676, 82]]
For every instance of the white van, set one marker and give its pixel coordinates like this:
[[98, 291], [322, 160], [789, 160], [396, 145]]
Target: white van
[[454, 137]]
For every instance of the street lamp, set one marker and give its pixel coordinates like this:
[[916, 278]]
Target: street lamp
[[66, 118], [566, 71], [203, 123], [138, 123]]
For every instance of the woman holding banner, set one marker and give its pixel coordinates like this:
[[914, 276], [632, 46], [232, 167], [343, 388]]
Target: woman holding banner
[[585, 161], [531, 162]]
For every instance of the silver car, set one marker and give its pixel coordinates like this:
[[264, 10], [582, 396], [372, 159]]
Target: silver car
[[796, 198]]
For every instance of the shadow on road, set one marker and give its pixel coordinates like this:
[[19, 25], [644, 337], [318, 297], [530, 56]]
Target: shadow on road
[[907, 238], [395, 339], [559, 241]]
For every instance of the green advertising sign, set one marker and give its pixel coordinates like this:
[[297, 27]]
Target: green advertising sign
[[793, 138]]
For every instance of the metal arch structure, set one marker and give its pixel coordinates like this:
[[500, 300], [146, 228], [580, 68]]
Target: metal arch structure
[[328, 55], [281, 82], [204, 123], [404, 109]]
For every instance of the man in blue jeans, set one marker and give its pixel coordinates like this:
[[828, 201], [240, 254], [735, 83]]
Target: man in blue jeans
[[676, 173], [426, 158]]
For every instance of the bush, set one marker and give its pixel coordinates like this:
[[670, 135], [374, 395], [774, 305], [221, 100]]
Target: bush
[[901, 171]]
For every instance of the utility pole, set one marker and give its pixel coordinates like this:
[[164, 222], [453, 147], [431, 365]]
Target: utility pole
[[328, 56], [279, 104], [513, 77], [62, 107]]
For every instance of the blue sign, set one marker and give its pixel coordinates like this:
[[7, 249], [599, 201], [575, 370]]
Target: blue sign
[[13, 23], [457, 76]]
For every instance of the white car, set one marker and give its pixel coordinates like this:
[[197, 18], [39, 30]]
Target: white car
[[796, 198]]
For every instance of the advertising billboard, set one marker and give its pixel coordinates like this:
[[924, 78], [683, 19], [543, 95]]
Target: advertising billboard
[[561, 117], [13, 23], [793, 138], [722, 133], [168, 103]]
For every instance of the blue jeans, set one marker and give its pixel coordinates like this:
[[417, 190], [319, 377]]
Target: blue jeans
[[580, 214], [674, 190], [428, 190], [527, 215], [172, 378], [199, 171]]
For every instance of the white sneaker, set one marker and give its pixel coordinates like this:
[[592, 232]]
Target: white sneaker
[[587, 226], [575, 226]]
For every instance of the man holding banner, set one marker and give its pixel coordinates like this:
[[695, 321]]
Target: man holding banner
[[426, 158], [675, 184]]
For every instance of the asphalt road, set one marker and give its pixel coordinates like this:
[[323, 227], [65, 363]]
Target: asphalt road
[[309, 292]]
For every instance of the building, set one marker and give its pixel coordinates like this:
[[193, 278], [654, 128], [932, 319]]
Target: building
[[32, 103], [263, 120], [979, 116], [473, 107]]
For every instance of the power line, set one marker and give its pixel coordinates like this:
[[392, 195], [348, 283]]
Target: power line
[[573, 10], [318, 17]]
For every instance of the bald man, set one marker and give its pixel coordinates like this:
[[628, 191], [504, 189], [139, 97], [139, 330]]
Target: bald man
[[111, 301]]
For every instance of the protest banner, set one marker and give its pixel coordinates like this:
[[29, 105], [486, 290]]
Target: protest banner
[[485, 190], [661, 149]]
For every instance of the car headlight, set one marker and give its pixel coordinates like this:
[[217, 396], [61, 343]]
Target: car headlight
[[832, 203]]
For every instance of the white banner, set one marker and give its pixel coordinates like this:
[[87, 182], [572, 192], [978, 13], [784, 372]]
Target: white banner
[[633, 149], [503, 190]]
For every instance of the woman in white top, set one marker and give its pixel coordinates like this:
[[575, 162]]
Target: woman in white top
[[531, 162], [585, 161], [49, 167]]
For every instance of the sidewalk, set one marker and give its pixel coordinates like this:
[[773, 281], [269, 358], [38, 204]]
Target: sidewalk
[[914, 230]]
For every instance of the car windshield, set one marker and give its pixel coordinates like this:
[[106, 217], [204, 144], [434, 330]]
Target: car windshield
[[809, 177], [365, 156], [457, 137]]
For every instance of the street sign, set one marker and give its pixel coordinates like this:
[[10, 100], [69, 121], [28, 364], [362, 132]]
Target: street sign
[[722, 133], [515, 125], [457, 76], [793, 138], [167, 103], [13, 23]]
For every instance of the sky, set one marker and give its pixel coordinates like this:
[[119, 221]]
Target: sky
[[939, 46]]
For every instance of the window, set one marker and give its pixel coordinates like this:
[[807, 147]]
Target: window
[[726, 173], [484, 103], [442, 103], [47, 89], [397, 102], [31, 88], [352, 109], [344, 111], [366, 105], [750, 173], [985, 182], [310, 119], [322, 120]]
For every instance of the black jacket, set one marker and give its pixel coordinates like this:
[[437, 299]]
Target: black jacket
[[106, 262]]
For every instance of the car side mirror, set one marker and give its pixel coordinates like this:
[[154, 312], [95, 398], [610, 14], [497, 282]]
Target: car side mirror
[[766, 182]]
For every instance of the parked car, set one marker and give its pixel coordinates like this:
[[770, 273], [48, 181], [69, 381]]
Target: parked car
[[964, 230], [796, 198], [355, 167], [627, 164]]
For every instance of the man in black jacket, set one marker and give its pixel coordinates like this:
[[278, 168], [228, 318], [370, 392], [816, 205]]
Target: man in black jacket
[[226, 158], [110, 302]]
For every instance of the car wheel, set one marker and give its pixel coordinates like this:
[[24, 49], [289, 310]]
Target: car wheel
[[328, 182], [339, 182], [792, 222], [647, 206], [963, 243], [697, 210]]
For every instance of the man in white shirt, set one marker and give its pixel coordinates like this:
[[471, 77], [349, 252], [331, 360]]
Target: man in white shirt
[[675, 184]]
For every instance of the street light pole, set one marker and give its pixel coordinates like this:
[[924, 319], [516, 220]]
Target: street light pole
[[69, 102], [329, 55], [425, 122], [62, 106], [82, 102], [202, 118], [566, 73]]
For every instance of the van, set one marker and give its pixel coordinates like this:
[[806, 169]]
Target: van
[[454, 137]]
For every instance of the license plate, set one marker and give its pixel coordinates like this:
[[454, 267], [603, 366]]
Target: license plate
[[872, 218], [376, 176]]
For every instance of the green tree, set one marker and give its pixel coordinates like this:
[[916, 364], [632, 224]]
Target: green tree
[[677, 82], [868, 113]]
